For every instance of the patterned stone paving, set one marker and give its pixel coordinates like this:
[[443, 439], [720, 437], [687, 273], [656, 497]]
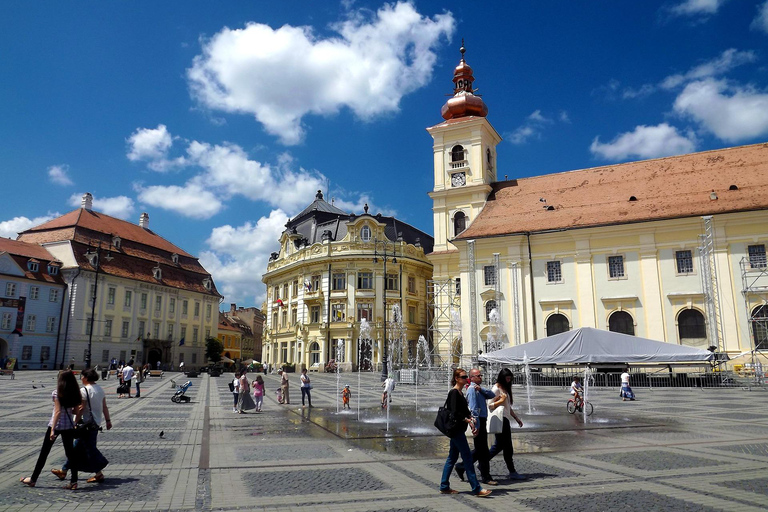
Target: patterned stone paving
[[754, 485], [615, 501], [286, 483], [655, 460]]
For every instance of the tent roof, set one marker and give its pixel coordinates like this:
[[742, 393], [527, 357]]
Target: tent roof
[[589, 345]]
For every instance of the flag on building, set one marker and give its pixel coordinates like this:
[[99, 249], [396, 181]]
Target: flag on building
[[181, 341]]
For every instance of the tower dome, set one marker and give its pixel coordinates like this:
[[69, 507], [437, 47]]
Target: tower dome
[[464, 101]]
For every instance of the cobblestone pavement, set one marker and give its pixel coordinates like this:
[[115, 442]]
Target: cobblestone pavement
[[671, 450]]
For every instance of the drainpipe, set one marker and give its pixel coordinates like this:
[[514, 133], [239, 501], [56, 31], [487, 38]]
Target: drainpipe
[[533, 295]]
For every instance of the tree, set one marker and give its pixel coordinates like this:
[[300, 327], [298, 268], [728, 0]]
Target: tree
[[213, 350]]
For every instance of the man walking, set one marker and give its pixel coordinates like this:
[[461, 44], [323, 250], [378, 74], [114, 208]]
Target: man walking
[[476, 397], [284, 386]]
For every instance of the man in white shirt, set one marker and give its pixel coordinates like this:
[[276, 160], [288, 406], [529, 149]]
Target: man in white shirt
[[128, 373]]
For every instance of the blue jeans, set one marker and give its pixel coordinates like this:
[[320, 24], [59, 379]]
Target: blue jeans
[[459, 445], [305, 391]]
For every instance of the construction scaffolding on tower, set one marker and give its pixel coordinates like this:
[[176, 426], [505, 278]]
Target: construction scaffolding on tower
[[709, 285], [445, 328]]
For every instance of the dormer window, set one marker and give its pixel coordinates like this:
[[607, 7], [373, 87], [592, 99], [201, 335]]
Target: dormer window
[[116, 242], [365, 234], [33, 266], [175, 258], [157, 273], [53, 270], [207, 283], [93, 259]]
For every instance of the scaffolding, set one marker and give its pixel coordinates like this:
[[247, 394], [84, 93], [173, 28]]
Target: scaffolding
[[445, 329], [754, 288], [515, 303], [473, 331], [709, 283]]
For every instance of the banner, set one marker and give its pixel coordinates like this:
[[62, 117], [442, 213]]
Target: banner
[[22, 302]]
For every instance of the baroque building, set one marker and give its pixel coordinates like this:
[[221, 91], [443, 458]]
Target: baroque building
[[336, 269], [672, 249], [251, 322], [131, 294]]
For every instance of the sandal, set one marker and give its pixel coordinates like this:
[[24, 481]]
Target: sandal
[[60, 473], [72, 486], [96, 479], [27, 481]]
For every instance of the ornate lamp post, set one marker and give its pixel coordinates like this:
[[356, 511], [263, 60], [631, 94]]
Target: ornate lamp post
[[386, 256], [94, 258]]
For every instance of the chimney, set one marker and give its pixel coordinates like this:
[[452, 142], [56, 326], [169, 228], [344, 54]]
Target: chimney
[[86, 203], [232, 309], [144, 220]]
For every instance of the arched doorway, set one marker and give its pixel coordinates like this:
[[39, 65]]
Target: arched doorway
[[556, 324], [621, 322], [692, 328]]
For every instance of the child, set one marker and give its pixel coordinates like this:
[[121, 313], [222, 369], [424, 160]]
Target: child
[[346, 393], [279, 395], [389, 386], [258, 392], [576, 390]]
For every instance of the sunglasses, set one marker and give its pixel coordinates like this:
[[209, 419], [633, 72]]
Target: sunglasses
[[462, 376]]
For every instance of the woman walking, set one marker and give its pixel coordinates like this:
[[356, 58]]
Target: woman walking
[[503, 443], [234, 387], [457, 404], [244, 400], [258, 392], [66, 399]]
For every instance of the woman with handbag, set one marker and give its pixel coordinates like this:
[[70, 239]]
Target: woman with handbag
[[305, 388], [244, 400], [502, 404], [66, 399], [457, 405]]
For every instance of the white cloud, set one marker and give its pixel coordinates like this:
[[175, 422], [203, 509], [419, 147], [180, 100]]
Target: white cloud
[[281, 75], [728, 60], [761, 20], [121, 207], [191, 200], [239, 256], [59, 174], [645, 142], [11, 228], [697, 7], [532, 128], [152, 145], [732, 113]]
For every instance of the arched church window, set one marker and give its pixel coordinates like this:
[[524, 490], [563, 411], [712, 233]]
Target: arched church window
[[556, 324], [760, 327], [489, 306], [621, 322], [457, 153], [459, 223], [691, 325]]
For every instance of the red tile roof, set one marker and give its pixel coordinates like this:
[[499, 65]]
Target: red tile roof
[[23, 252], [664, 188]]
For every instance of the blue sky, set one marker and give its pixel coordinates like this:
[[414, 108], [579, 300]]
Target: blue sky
[[222, 119]]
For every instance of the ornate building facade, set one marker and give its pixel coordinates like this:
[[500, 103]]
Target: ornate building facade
[[131, 294], [672, 249], [336, 269]]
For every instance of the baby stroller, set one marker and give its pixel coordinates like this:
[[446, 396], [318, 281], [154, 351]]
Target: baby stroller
[[180, 394]]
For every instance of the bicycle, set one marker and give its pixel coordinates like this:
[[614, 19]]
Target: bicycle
[[579, 404]]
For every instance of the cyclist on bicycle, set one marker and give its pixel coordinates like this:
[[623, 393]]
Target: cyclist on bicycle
[[576, 390]]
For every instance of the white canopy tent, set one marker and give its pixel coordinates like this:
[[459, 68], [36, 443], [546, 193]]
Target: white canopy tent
[[595, 346]]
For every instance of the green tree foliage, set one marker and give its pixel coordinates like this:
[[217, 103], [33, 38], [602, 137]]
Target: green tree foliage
[[213, 349]]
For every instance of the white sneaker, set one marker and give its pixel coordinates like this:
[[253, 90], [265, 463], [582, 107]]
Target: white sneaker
[[234, 409]]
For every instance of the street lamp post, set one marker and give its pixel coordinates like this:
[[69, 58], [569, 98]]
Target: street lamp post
[[94, 258], [386, 256]]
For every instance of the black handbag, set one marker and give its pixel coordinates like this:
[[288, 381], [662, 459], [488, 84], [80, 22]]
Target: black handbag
[[123, 389], [446, 421]]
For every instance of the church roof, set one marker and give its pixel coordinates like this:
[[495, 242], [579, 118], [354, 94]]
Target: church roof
[[711, 182]]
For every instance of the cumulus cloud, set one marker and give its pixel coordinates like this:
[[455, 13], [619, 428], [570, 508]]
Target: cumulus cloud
[[732, 113], [696, 7], [191, 200], [645, 142], [532, 127], [238, 256], [720, 65], [59, 174], [281, 75], [121, 207], [11, 228], [152, 145], [761, 20]]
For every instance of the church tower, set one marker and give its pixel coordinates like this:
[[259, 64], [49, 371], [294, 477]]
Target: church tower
[[464, 162]]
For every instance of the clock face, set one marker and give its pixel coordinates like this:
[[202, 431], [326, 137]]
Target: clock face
[[458, 179]]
